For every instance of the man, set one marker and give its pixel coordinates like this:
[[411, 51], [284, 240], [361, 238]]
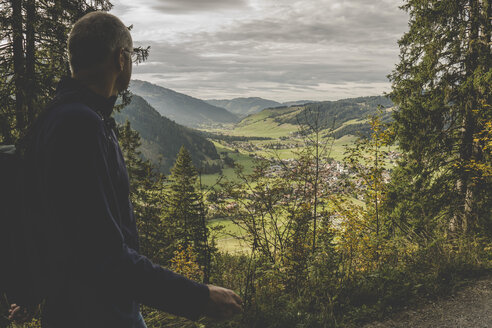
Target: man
[[86, 231]]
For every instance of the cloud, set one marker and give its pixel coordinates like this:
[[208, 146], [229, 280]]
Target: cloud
[[282, 50], [283, 77], [187, 6], [354, 22]]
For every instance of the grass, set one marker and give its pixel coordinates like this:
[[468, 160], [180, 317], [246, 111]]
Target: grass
[[265, 128], [334, 149], [225, 238], [268, 113], [263, 124], [239, 157]]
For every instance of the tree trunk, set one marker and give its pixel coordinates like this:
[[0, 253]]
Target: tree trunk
[[30, 60], [467, 150], [19, 66]]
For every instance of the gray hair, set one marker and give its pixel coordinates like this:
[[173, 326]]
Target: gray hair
[[94, 37]]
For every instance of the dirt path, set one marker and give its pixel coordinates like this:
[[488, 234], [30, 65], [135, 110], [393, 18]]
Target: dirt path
[[470, 307]]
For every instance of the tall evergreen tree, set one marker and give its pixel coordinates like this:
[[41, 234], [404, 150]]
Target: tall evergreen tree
[[442, 89], [185, 212]]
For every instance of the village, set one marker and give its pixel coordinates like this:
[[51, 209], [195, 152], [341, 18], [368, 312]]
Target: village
[[335, 176]]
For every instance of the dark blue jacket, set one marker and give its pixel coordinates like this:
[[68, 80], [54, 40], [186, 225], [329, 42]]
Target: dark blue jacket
[[94, 275]]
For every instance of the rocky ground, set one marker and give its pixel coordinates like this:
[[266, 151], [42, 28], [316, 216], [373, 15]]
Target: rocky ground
[[469, 307]]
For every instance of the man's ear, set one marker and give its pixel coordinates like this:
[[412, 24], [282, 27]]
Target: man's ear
[[120, 59]]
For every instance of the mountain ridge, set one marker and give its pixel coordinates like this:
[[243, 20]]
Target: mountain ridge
[[162, 138], [181, 108], [244, 106]]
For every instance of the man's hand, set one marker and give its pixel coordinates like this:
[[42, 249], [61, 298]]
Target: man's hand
[[223, 303], [18, 314]]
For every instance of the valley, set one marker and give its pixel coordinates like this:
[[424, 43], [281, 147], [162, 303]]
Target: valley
[[272, 135], [275, 136]]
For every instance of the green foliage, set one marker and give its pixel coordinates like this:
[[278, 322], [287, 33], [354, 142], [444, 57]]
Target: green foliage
[[365, 232]]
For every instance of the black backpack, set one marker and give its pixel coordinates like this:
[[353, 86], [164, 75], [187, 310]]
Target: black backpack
[[8, 195], [14, 281], [21, 273]]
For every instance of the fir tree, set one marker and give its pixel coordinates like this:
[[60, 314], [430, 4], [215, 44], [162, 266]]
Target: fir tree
[[442, 89], [185, 212]]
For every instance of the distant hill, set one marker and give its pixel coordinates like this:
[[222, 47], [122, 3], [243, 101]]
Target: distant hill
[[244, 106], [341, 117], [183, 109], [336, 113], [298, 102], [162, 138]]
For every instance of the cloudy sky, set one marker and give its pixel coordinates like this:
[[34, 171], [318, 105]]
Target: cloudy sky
[[282, 50]]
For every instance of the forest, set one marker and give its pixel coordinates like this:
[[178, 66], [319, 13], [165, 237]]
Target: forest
[[314, 253]]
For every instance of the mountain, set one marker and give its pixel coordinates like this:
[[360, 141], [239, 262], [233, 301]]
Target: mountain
[[244, 106], [162, 138], [183, 109], [341, 117]]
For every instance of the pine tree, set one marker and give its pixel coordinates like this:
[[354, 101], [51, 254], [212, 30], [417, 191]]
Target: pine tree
[[442, 89], [185, 212], [146, 193]]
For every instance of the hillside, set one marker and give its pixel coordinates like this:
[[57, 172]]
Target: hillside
[[244, 106], [298, 102], [336, 113], [163, 137], [341, 117], [183, 109]]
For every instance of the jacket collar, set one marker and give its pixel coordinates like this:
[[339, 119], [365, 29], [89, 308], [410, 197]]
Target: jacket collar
[[74, 88]]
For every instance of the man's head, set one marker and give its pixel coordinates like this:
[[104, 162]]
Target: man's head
[[100, 43]]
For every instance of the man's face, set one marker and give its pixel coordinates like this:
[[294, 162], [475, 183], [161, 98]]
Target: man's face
[[125, 74]]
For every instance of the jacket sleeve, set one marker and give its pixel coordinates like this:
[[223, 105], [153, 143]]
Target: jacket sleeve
[[84, 199]]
